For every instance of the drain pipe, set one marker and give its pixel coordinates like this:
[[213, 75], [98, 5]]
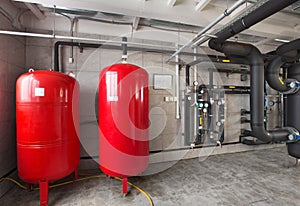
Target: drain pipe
[[253, 55]]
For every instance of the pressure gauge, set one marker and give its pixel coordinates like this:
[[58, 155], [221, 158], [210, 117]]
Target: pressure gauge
[[196, 83], [205, 105], [219, 102]]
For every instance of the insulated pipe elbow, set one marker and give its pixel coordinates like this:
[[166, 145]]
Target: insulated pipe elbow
[[272, 75], [289, 50], [253, 55]]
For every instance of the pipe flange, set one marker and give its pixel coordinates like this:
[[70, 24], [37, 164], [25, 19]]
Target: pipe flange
[[294, 134], [294, 87]]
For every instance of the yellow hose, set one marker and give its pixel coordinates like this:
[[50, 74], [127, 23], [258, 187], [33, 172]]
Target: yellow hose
[[139, 189], [81, 179], [14, 181]]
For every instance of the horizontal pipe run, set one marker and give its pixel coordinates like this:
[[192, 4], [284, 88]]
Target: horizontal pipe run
[[212, 58], [226, 13], [260, 11], [53, 36], [264, 11]]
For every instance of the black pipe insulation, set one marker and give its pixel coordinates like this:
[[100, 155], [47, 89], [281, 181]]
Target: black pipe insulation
[[265, 10], [245, 120], [81, 45], [66, 43], [187, 75], [289, 52], [272, 75], [244, 112], [124, 48], [252, 142], [253, 55], [293, 112]]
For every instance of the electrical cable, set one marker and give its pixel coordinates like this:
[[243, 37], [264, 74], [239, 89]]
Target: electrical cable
[[82, 179]]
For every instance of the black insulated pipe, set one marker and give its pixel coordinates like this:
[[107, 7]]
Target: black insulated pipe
[[288, 52], [267, 9], [293, 114], [65, 43], [253, 55], [272, 75], [124, 49]]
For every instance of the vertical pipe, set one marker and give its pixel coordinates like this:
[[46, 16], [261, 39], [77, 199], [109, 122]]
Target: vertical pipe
[[177, 87], [124, 50], [211, 110], [280, 110], [196, 119], [187, 107]]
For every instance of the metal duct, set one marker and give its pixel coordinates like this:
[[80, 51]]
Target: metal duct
[[253, 55]]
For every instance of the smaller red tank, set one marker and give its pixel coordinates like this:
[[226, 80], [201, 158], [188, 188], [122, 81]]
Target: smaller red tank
[[47, 117]]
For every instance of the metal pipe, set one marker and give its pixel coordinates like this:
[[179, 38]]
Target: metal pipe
[[177, 88], [52, 36], [257, 13], [124, 50], [265, 10], [227, 12], [109, 46], [78, 44], [196, 119], [257, 88]]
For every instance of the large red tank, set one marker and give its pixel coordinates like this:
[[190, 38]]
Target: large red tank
[[123, 120], [47, 112]]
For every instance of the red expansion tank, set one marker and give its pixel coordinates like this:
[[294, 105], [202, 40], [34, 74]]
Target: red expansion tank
[[47, 109], [123, 121]]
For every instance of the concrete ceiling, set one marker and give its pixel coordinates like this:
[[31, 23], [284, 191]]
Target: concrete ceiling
[[194, 14]]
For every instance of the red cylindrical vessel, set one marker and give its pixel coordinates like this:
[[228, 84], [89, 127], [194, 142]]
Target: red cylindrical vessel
[[123, 120], [47, 109]]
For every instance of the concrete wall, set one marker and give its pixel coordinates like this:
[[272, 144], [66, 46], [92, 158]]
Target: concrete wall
[[165, 131], [12, 62]]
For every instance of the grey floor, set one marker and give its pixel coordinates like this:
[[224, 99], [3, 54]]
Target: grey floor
[[264, 177]]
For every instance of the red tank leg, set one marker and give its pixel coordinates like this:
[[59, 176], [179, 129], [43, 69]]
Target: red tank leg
[[43, 193], [76, 174], [28, 186], [125, 186]]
